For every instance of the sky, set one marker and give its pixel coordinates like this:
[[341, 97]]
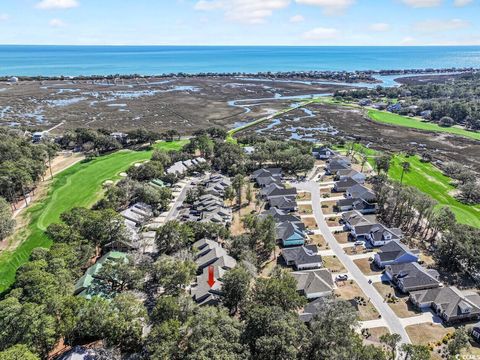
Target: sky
[[240, 22]]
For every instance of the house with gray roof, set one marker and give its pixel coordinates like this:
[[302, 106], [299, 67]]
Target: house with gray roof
[[281, 216], [201, 291], [302, 257], [337, 163], [323, 153], [267, 176], [314, 283], [412, 276], [344, 184], [290, 234], [360, 205], [380, 235], [277, 190], [354, 218], [284, 203], [451, 304], [352, 174], [360, 192], [395, 253], [217, 256]]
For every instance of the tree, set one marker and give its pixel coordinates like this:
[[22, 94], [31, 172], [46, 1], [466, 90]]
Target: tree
[[382, 163], [470, 192], [173, 236], [212, 334], [173, 275], [391, 341], [333, 333], [18, 352], [236, 284], [415, 352], [406, 166], [272, 333], [459, 341], [237, 183], [116, 276], [279, 290], [249, 195], [446, 121], [125, 326], [229, 194], [7, 224]]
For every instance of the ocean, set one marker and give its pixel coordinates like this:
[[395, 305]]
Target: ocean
[[20, 60]]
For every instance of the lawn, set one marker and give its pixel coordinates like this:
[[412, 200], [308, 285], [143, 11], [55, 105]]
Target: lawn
[[424, 334], [367, 267], [394, 119], [430, 180], [349, 290], [333, 264], [79, 185]]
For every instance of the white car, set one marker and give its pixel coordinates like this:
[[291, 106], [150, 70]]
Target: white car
[[359, 243]]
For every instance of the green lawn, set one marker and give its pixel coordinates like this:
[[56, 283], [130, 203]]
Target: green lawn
[[430, 180], [79, 185], [394, 119]]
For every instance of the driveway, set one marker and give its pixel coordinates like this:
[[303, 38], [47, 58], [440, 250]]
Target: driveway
[[388, 316]]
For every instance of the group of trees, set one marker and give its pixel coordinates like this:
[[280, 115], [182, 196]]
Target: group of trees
[[467, 180], [456, 250], [22, 164], [449, 103]]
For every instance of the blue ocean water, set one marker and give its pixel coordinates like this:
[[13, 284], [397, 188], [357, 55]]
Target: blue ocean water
[[150, 60]]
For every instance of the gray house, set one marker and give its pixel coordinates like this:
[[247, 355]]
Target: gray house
[[353, 174], [395, 253], [302, 257], [360, 192], [344, 184], [412, 276], [449, 303], [314, 283]]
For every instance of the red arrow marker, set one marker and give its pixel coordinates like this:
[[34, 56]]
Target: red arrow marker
[[211, 276]]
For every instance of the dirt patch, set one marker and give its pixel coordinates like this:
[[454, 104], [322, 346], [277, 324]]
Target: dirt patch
[[332, 263], [333, 221], [425, 334], [328, 207], [372, 336], [310, 223], [304, 196], [398, 302], [319, 241], [305, 209], [349, 290], [342, 238], [367, 267]]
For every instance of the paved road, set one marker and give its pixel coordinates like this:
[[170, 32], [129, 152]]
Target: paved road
[[391, 320]]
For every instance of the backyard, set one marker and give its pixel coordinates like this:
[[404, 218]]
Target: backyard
[[79, 185]]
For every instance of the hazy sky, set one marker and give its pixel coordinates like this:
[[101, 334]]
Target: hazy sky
[[241, 22]]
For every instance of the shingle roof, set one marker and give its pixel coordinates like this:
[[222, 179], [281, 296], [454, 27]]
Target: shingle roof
[[392, 250], [413, 275], [302, 255], [313, 281]]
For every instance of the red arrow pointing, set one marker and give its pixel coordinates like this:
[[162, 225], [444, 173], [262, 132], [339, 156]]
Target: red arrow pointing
[[211, 276]]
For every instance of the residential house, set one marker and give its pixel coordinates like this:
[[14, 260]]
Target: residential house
[[87, 286], [476, 331], [201, 291], [276, 190], [265, 177], [360, 205], [395, 253], [218, 257], [138, 213], [281, 216], [314, 283], [38, 136], [290, 234], [323, 153], [302, 257], [181, 167], [449, 303], [344, 184], [337, 163], [358, 176], [360, 192], [354, 218], [412, 276], [365, 102], [380, 235], [284, 203]]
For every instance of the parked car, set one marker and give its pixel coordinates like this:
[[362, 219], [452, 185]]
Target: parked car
[[359, 243], [342, 277]]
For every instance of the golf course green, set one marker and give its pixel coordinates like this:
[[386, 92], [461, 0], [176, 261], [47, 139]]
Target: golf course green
[[394, 119], [430, 180], [79, 185]]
